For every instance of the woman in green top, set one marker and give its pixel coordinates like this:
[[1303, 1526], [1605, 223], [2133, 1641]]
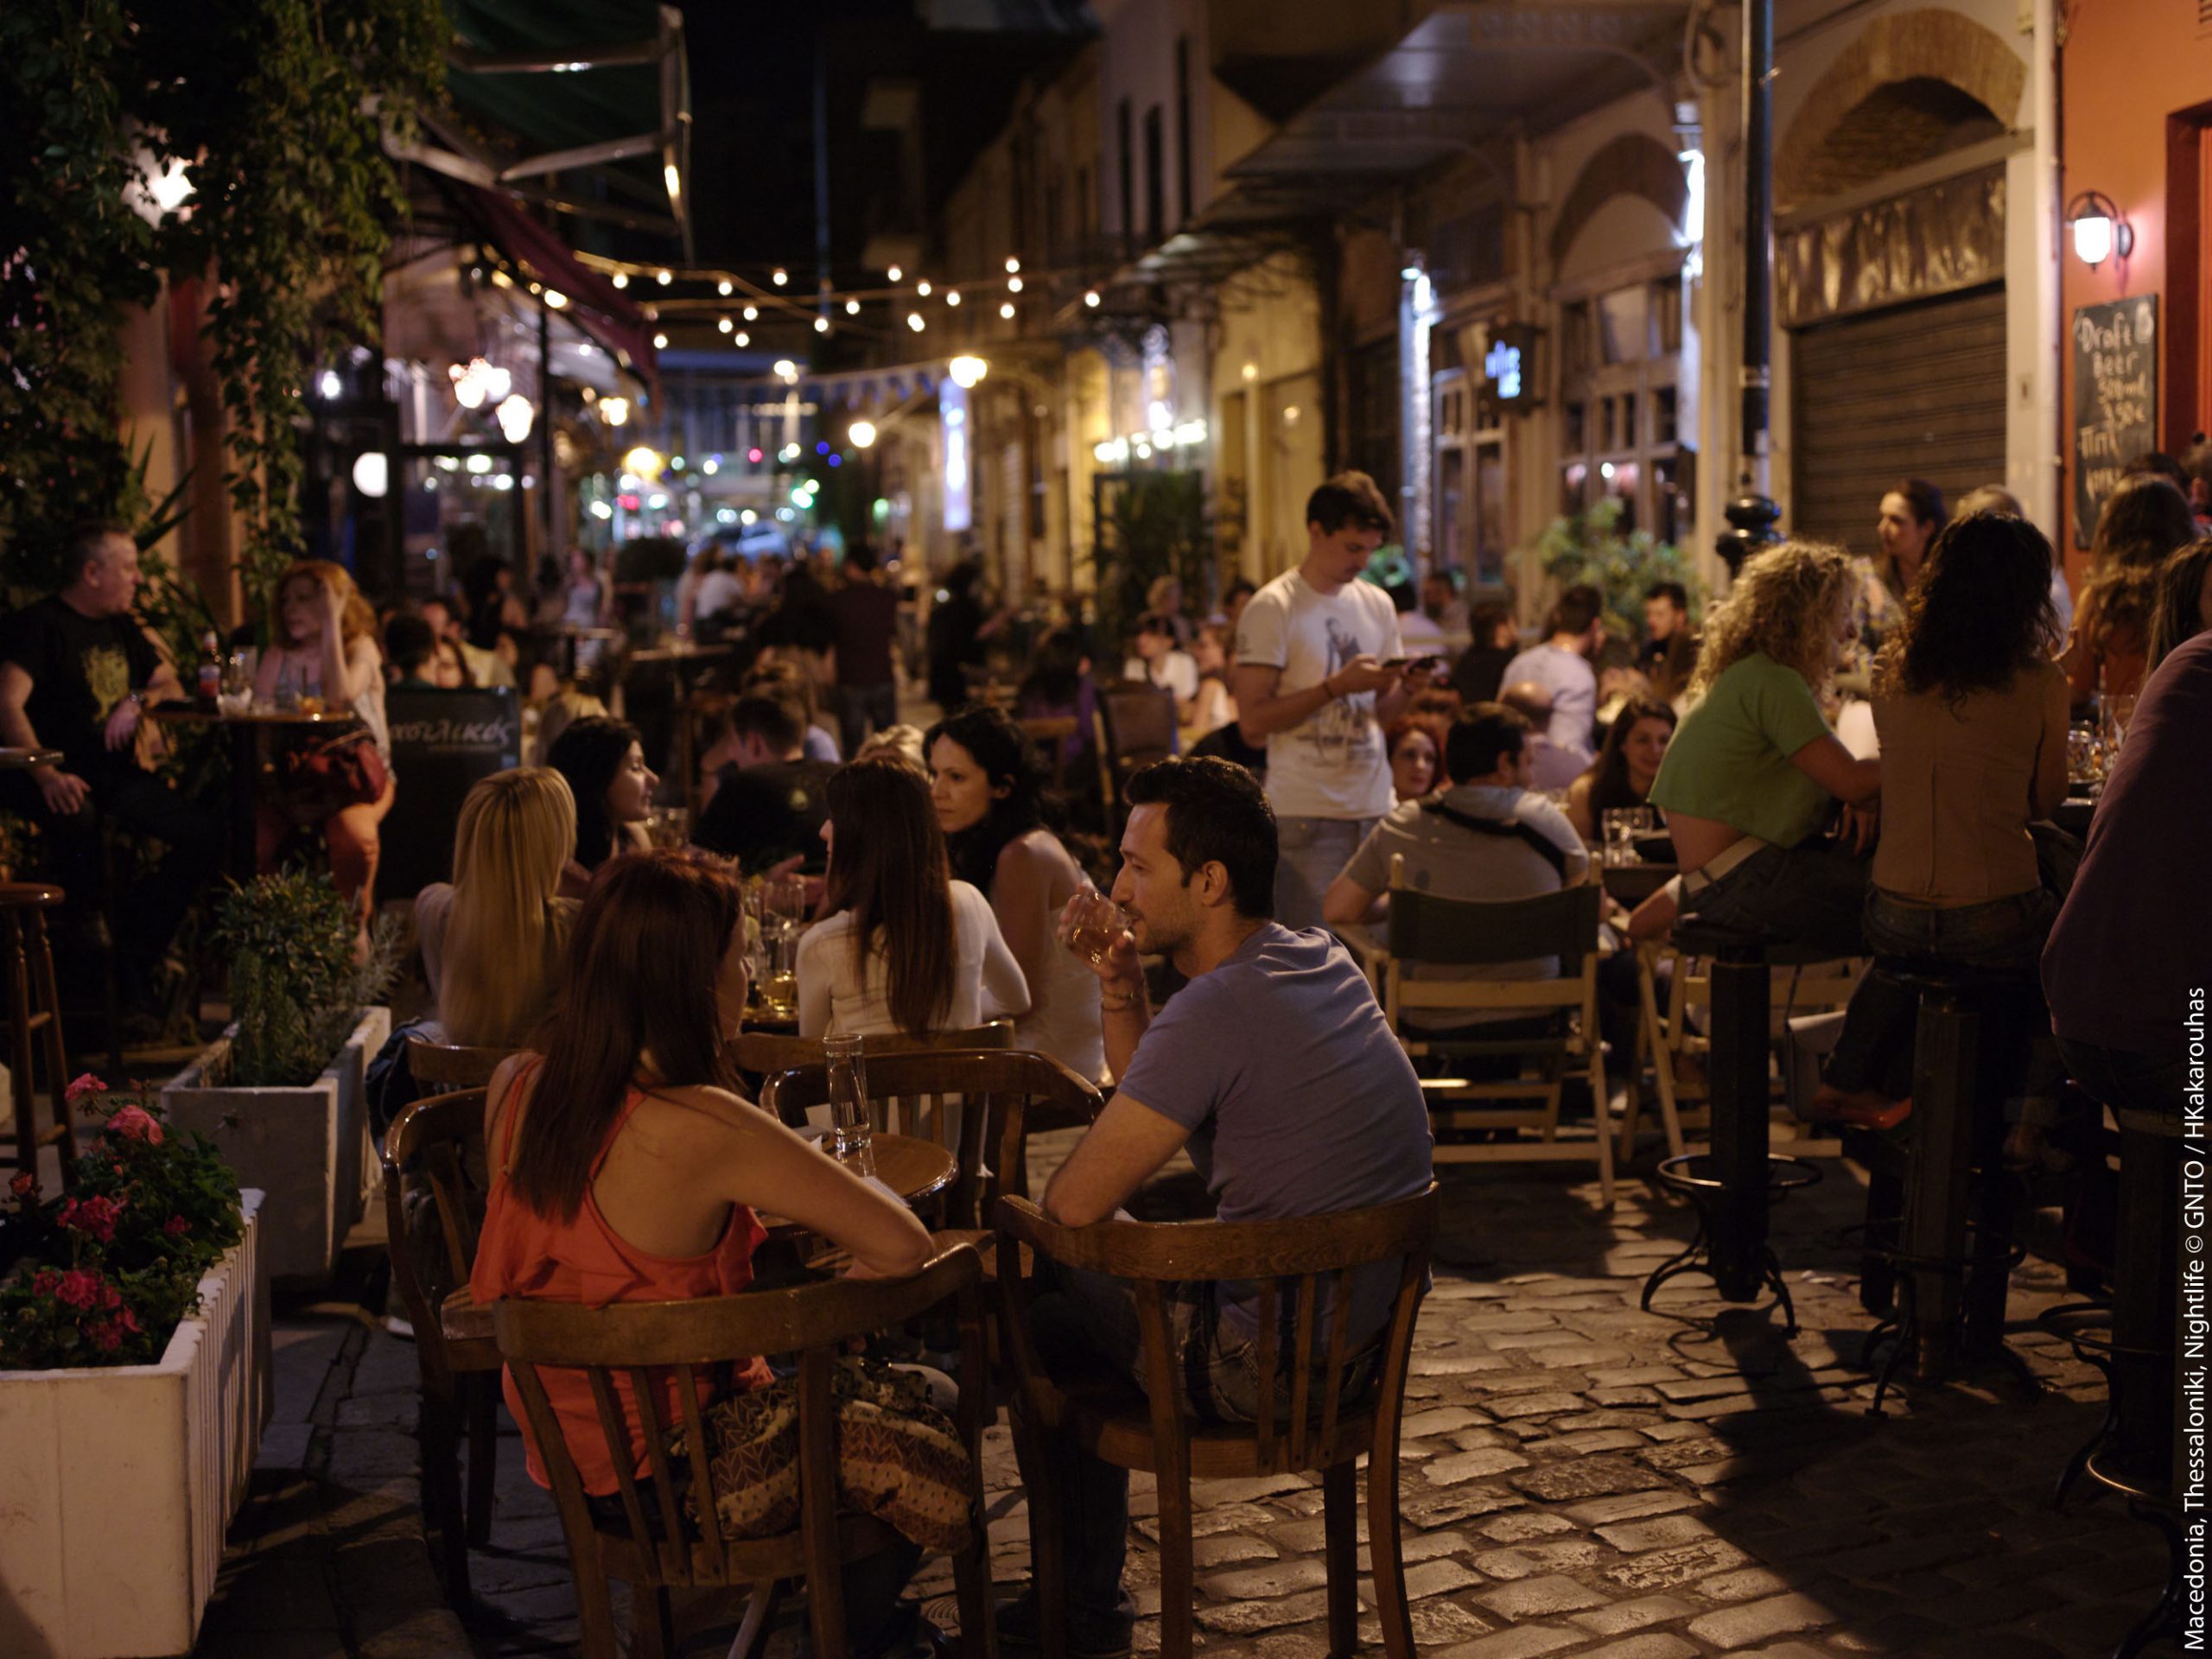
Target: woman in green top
[[1754, 771]]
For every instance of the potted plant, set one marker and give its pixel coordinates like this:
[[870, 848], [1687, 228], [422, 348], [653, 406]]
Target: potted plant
[[1588, 547], [134, 1379], [284, 1080]]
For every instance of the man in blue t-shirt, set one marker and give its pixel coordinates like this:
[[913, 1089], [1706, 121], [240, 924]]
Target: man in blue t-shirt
[[1273, 1067]]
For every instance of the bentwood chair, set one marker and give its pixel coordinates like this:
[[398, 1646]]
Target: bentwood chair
[[1137, 727], [975, 1103], [1325, 1429], [1463, 937], [438, 1143], [764, 1053], [441, 1067], [653, 1545]]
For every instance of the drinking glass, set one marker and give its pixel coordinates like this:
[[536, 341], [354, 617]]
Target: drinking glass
[[1098, 927], [2081, 753], [777, 983], [783, 898], [1622, 825], [668, 826], [850, 1138]]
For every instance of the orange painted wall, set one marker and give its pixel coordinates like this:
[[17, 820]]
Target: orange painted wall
[[2126, 66]]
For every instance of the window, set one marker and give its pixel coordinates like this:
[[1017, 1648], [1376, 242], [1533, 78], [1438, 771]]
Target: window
[[1183, 127], [1128, 224], [1470, 532], [1155, 204], [1620, 407]]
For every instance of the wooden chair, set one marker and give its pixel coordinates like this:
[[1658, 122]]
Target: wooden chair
[[1426, 930], [764, 1053], [1148, 1431], [438, 1142], [654, 1547], [33, 1010], [1667, 1035], [1050, 733], [440, 1067], [1137, 727], [974, 1103]]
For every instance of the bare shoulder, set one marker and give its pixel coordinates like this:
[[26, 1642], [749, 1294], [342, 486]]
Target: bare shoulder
[[707, 1113]]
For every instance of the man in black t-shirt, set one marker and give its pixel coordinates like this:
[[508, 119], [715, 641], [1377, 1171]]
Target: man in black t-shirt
[[867, 622], [770, 804], [77, 673]]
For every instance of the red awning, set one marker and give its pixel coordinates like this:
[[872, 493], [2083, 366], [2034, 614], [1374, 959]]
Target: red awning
[[595, 305]]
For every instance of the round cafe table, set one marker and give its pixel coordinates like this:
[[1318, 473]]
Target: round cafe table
[[20, 759], [915, 1169], [245, 731]]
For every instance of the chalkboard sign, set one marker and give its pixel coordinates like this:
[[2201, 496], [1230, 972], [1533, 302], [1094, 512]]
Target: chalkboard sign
[[2115, 399], [441, 743]]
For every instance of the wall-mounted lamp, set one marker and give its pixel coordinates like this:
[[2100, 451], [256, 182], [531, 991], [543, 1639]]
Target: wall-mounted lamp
[[2099, 231]]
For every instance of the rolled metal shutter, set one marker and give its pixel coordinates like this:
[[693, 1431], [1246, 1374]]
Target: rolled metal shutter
[[1914, 391]]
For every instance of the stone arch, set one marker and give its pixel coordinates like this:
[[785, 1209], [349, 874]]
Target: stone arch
[[1634, 164], [1912, 86]]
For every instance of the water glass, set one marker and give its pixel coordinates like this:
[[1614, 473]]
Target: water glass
[[850, 1140], [1622, 825], [668, 826], [783, 899]]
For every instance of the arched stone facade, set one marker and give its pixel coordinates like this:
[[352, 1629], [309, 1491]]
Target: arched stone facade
[[1634, 164], [1911, 86]]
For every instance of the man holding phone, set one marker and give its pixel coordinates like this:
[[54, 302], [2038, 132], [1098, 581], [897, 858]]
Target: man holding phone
[[1319, 671]]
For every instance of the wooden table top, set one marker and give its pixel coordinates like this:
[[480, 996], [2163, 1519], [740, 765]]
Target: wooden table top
[[188, 714], [915, 1169], [1632, 884], [15, 760]]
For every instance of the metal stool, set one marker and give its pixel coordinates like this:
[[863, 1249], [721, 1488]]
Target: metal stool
[[1691, 1174], [1736, 1177], [1953, 1238], [34, 1007], [2149, 1489]]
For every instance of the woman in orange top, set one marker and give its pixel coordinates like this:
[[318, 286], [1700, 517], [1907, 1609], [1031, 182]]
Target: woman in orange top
[[626, 1167]]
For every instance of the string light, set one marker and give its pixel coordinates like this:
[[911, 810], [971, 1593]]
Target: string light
[[663, 278], [822, 325], [780, 277], [1012, 265], [952, 297], [922, 288], [725, 325], [724, 288], [851, 307], [914, 321], [557, 299], [660, 342], [744, 338], [893, 273], [621, 279], [1007, 310], [1090, 298], [1014, 284], [752, 314]]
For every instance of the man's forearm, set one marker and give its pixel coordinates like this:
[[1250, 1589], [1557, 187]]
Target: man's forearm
[[15, 727], [1124, 1015], [1280, 714]]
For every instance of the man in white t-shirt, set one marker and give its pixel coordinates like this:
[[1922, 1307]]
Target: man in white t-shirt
[[1319, 671], [1561, 666]]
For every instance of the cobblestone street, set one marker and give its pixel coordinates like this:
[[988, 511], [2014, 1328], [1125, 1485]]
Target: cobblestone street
[[1580, 1479]]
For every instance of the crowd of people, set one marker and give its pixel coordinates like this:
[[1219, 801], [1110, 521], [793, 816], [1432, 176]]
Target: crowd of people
[[1340, 740]]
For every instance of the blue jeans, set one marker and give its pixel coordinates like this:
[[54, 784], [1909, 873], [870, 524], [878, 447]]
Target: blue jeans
[[1310, 853], [2145, 1091], [1876, 1047], [1810, 894], [858, 707]]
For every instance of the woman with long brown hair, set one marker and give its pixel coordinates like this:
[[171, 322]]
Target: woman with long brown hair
[[906, 949], [2143, 522], [322, 648], [627, 1168], [2185, 607], [1626, 768]]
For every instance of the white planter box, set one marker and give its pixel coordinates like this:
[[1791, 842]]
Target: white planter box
[[121, 1482], [308, 1147]]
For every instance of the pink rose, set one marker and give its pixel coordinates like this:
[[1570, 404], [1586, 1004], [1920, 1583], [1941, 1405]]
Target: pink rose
[[78, 1288], [135, 1123], [85, 1086], [176, 1226]]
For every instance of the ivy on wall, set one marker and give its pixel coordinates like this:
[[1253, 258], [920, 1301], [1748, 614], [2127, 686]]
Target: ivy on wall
[[276, 107]]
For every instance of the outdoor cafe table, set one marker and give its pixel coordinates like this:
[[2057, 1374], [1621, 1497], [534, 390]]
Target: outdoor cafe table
[[15, 759], [917, 1170], [245, 730], [1630, 884]]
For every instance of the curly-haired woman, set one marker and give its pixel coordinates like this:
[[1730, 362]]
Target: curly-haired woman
[[2142, 523], [1755, 771], [1972, 713]]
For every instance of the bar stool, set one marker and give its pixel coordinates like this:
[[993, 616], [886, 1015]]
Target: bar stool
[[1954, 1245], [33, 1008], [1735, 1182]]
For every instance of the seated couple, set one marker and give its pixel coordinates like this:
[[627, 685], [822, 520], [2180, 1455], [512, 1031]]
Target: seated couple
[[627, 1168]]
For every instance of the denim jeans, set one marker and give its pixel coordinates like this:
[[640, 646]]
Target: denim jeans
[[1810, 894], [1875, 1048], [1310, 853], [2144, 1090], [859, 707], [1082, 1320]]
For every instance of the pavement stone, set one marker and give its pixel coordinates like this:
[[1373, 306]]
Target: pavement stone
[[1580, 1478]]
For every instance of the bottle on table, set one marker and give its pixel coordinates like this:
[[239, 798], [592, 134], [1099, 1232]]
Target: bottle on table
[[210, 687]]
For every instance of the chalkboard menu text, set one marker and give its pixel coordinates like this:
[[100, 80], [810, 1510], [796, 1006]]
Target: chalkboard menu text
[[2115, 399]]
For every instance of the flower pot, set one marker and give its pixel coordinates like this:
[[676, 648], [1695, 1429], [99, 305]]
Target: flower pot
[[306, 1146], [121, 1481]]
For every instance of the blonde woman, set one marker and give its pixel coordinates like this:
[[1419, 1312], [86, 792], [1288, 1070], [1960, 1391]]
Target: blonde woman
[[1755, 771], [323, 645], [492, 938]]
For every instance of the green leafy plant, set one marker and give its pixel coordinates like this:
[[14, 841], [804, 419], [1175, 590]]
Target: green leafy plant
[[296, 989], [1588, 547], [1156, 525], [102, 1276]]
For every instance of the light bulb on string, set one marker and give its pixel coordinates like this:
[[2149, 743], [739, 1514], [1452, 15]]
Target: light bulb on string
[[1012, 265], [744, 338], [1014, 284], [851, 307], [660, 342], [952, 297], [922, 288], [752, 314], [725, 288], [621, 279], [725, 325], [1007, 310], [822, 325], [663, 278], [914, 321], [1090, 298], [779, 277], [894, 273]]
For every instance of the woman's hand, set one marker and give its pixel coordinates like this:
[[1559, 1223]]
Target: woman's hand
[[332, 610]]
